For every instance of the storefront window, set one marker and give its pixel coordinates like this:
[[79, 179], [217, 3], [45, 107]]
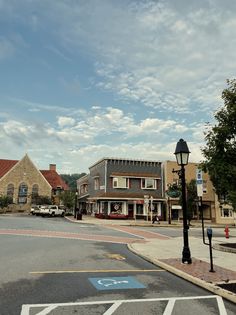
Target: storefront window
[[116, 207], [139, 209]]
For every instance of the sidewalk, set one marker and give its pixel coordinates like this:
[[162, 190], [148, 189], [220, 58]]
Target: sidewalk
[[167, 253]]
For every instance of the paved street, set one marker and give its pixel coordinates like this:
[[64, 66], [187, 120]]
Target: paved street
[[54, 266]]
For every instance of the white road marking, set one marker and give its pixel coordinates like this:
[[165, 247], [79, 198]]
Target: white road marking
[[169, 307], [221, 305], [116, 303], [113, 308], [47, 310]]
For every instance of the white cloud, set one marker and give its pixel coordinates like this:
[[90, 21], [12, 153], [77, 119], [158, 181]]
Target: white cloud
[[66, 121]]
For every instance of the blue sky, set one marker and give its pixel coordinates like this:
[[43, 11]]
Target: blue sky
[[86, 79]]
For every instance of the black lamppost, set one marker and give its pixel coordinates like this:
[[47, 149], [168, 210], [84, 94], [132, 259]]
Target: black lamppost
[[75, 205], [182, 154]]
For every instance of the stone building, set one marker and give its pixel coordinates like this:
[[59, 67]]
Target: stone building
[[22, 181]]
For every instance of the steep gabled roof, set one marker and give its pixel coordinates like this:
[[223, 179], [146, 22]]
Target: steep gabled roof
[[51, 176], [6, 165], [54, 179]]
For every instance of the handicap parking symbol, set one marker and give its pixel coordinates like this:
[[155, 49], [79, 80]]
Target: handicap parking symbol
[[116, 283]]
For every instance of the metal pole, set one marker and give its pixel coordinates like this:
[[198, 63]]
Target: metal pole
[[75, 205], [186, 255], [202, 217], [169, 210], [209, 234]]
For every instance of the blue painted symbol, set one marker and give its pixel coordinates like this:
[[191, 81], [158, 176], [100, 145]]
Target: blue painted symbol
[[116, 283]]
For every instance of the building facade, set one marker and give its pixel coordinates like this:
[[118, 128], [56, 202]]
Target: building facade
[[23, 182], [173, 204], [125, 188]]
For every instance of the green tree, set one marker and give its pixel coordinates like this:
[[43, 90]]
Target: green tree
[[71, 179], [5, 201], [68, 199], [191, 199], [43, 200], [220, 149]]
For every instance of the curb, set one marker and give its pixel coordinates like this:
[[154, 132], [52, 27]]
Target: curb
[[222, 248], [208, 286]]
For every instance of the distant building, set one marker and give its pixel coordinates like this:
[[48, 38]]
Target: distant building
[[173, 204], [117, 187], [22, 181]]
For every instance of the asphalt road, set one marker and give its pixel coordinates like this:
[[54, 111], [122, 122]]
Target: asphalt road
[[52, 274]]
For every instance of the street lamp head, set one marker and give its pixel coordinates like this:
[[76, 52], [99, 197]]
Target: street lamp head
[[182, 152]]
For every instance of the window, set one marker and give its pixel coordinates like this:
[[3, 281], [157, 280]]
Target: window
[[96, 183], [120, 182], [10, 190], [83, 188], [35, 190], [226, 213], [35, 193], [22, 194], [148, 183]]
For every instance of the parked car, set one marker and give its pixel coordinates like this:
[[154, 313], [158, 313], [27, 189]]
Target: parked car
[[52, 211], [35, 210]]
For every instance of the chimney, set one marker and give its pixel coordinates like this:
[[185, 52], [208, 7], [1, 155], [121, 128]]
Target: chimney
[[52, 167]]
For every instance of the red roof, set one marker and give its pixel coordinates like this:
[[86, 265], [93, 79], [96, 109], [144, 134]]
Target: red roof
[[54, 179], [6, 165]]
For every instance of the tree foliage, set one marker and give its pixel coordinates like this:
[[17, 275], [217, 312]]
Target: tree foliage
[[5, 201], [220, 148], [191, 198], [68, 199], [71, 179], [42, 200]]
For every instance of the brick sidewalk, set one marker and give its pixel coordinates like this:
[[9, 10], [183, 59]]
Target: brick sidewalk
[[200, 269]]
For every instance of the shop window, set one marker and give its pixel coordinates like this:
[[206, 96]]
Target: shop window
[[139, 209], [148, 183], [120, 182], [116, 207]]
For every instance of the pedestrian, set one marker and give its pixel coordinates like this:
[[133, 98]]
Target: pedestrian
[[155, 219]]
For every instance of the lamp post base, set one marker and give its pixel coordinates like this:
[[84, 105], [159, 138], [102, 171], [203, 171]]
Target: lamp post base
[[186, 256]]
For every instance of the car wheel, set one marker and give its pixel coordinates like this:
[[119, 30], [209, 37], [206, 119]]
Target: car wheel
[[63, 214], [53, 214]]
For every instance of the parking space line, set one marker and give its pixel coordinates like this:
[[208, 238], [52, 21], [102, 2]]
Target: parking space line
[[95, 271], [116, 303], [47, 310], [112, 309], [169, 307], [221, 305]]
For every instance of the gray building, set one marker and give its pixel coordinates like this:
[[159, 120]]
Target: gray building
[[122, 188]]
